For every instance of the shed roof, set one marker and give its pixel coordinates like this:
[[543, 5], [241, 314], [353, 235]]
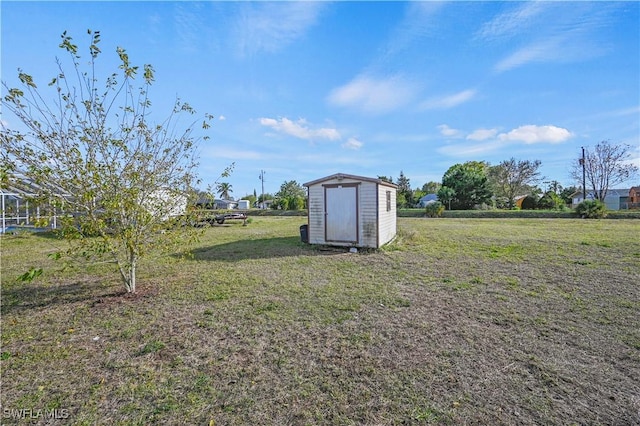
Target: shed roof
[[612, 191], [340, 176], [429, 197]]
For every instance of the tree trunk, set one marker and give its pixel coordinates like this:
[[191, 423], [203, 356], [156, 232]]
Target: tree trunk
[[133, 260]]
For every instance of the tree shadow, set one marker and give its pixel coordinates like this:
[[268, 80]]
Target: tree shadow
[[28, 296], [48, 234], [261, 248]]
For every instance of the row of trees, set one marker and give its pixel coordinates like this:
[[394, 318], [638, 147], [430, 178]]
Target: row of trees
[[477, 183], [474, 183]]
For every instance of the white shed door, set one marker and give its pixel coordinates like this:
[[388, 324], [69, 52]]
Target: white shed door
[[341, 213]]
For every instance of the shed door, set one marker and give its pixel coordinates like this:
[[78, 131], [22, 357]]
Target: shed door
[[341, 213]]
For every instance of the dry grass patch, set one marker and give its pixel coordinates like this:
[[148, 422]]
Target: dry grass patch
[[459, 321]]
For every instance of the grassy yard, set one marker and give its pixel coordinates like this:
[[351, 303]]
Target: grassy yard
[[458, 321]]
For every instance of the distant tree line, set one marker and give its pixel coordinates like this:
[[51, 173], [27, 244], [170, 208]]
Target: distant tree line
[[510, 184], [478, 184]]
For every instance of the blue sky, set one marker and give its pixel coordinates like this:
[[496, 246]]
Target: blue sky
[[302, 90]]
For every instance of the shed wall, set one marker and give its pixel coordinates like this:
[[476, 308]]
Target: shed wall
[[316, 214], [376, 224], [368, 215], [387, 219]]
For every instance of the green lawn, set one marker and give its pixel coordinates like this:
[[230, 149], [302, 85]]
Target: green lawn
[[458, 321]]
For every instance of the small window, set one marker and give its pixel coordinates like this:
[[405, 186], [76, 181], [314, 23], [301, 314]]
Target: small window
[[388, 201]]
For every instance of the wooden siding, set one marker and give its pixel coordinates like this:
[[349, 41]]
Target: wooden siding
[[387, 220], [316, 214], [376, 225], [368, 215]]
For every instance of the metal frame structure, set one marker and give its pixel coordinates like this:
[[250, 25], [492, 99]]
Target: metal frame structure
[[17, 209]]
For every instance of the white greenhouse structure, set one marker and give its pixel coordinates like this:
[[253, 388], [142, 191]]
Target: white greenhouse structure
[[21, 212]]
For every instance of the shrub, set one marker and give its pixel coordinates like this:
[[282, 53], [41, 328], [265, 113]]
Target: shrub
[[434, 209], [280, 204], [592, 209], [295, 203], [551, 201], [501, 202], [529, 203]]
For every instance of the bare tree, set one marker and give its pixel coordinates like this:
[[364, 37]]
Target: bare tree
[[125, 179], [605, 166], [513, 177]]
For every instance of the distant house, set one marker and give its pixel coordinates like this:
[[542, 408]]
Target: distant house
[[165, 203], [616, 199], [216, 204], [266, 204], [634, 198], [225, 204], [427, 199]]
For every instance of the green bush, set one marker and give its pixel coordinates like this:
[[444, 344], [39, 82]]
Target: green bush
[[592, 209], [434, 209], [295, 203], [529, 203], [551, 201], [280, 204]]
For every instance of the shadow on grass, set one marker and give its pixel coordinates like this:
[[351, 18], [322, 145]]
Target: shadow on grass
[[47, 235], [21, 296], [263, 248]]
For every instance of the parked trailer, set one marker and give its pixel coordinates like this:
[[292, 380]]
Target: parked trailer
[[221, 218]]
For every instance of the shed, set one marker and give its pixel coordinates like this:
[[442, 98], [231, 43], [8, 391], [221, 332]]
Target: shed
[[348, 210]]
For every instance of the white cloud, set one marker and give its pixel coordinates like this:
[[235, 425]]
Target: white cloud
[[482, 134], [470, 150], [449, 132], [352, 143], [268, 27], [300, 129], [189, 21], [372, 95], [626, 111], [418, 22], [488, 140], [559, 32], [531, 134], [512, 22], [542, 51], [222, 118], [449, 101]]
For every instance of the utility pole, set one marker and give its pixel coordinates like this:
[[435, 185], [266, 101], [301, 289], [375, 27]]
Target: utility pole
[[262, 179], [584, 184]]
